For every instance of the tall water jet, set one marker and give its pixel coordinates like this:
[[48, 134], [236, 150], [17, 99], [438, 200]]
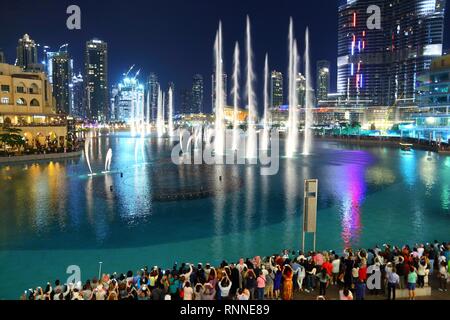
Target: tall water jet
[[219, 139], [309, 99], [252, 140], [236, 97], [86, 155], [148, 112], [170, 113], [292, 126], [266, 130], [108, 161], [160, 115]]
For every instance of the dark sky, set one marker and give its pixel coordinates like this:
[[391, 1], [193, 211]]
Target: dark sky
[[174, 38]]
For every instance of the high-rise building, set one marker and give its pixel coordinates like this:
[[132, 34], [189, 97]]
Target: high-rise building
[[62, 76], [379, 67], [26, 53], [152, 95], [2, 57], [197, 94], [225, 89], [96, 80], [276, 89], [78, 96], [323, 80], [301, 90], [186, 101]]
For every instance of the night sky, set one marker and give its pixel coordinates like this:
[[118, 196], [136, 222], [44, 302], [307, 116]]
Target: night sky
[[174, 38]]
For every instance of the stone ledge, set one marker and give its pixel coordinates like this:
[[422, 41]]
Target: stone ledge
[[37, 157]]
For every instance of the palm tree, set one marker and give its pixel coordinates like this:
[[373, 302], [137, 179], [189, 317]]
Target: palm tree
[[11, 137]]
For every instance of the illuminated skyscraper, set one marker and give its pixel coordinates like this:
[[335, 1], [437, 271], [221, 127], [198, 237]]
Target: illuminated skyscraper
[[152, 94], [186, 102], [62, 77], [197, 94], [77, 96], [2, 57], [96, 80], [301, 90], [26, 53], [379, 67], [323, 80], [276, 89]]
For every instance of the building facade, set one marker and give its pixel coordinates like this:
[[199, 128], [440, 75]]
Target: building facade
[[27, 55], [323, 80], [96, 80], [301, 90], [78, 108], [276, 89], [26, 103], [62, 76], [379, 67], [152, 95], [197, 94]]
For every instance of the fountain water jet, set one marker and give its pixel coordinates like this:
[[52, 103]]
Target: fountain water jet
[[236, 75], [292, 126], [160, 115], [108, 160], [252, 147], [219, 140], [309, 98], [170, 113], [266, 130], [86, 154]]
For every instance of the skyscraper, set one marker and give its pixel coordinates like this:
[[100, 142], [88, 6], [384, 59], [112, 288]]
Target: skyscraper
[[323, 80], [213, 87], [96, 80], [276, 89], [26, 53], [77, 96], [152, 94], [197, 94], [2, 57], [379, 67], [301, 90], [62, 76], [186, 102]]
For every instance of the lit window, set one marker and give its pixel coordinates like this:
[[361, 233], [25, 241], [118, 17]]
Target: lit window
[[5, 100]]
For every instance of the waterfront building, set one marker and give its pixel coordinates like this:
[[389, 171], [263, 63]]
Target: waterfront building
[[379, 67], [78, 107], [152, 95], [26, 103], [276, 89], [27, 54], [197, 94], [96, 80], [323, 80], [62, 66]]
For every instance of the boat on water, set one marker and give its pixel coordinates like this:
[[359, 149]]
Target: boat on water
[[406, 146]]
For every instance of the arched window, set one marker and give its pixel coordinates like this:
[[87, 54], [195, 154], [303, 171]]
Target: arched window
[[34, 103], [21, 102], [34, 89], [21, 88]]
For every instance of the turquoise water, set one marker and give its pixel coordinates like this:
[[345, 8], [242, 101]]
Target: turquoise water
[[54, 215]]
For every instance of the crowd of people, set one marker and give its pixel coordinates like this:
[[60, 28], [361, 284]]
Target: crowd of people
[[277, 277]]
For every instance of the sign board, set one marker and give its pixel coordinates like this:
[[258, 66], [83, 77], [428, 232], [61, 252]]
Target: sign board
[[310, 206]]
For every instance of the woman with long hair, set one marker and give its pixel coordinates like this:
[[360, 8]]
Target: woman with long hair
[[277, 282], [288, 285]]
